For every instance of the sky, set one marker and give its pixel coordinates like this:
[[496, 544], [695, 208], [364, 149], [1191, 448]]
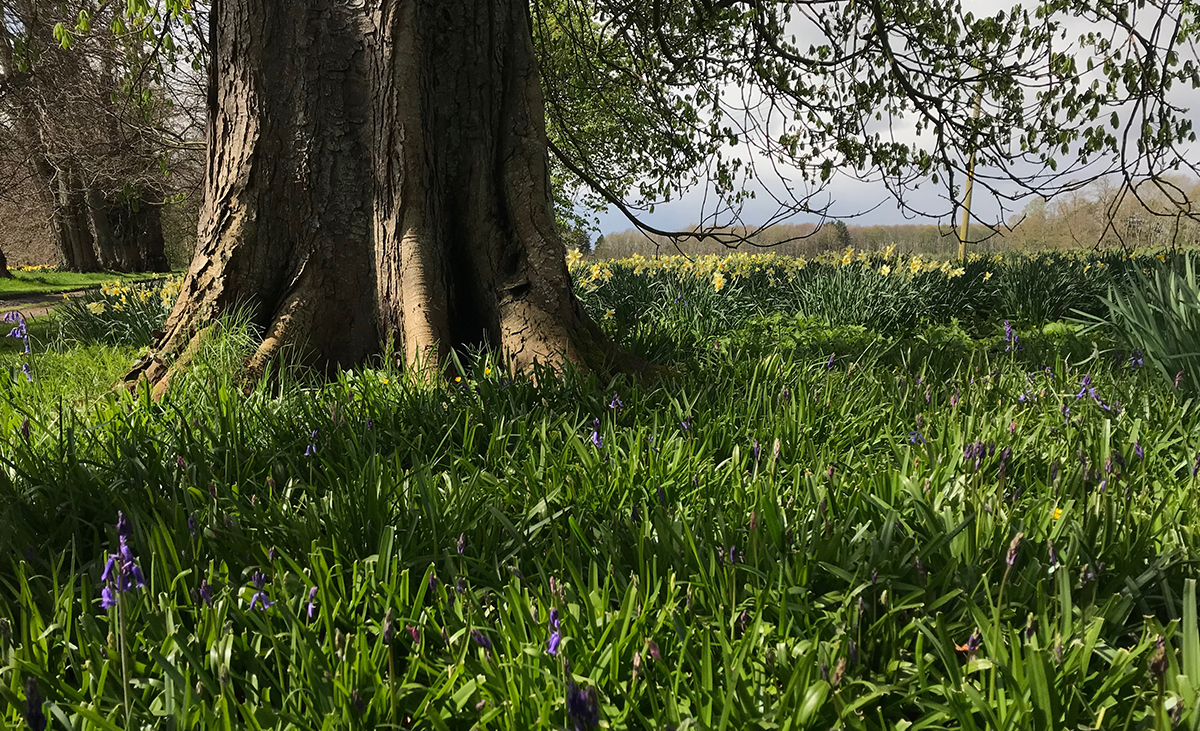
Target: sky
[[848, 195]]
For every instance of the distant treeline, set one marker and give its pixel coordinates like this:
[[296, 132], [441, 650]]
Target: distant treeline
[[1103, 215]]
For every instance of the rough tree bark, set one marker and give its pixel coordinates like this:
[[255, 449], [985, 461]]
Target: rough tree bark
[[128, 239], [378, 172], [70, 222]]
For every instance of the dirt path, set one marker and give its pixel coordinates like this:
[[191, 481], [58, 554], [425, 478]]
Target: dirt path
[[37, 305]]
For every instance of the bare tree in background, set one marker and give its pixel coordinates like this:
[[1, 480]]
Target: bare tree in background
[[93, 106]]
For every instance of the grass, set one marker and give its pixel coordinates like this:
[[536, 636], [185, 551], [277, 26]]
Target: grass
[[936, 528], [50, 281]]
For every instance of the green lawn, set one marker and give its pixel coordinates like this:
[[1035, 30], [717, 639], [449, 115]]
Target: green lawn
[[49, 281]]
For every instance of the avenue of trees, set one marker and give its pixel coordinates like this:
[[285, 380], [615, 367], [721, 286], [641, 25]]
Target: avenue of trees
[[401, 172], [96, 119]]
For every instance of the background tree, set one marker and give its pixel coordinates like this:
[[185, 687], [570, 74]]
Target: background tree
[[84, 107], [401, 148]]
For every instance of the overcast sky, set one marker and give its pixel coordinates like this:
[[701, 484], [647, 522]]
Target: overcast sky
[[848, 195]]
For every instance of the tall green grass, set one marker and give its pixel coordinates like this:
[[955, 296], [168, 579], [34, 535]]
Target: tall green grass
[[768, 538]]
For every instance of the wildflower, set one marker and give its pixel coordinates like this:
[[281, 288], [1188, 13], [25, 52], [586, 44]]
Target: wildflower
[[1005, 456], [462, 543], [987, 276], [915, 437], [1178, 376], [25, 428], [259, 580], [973, 643], [312, 604], [757, 450], [1058, 513], [205, 592], [1158, 663], [655, 653], [389, 627], [1135, 359], [1011, 557], [481, 640], [582, 707], [34, 717], [733, 555], [686, 425], [616, 402], [555, 634], [1138, 451], [121, 571], [28, 373], [829, 363], [414, 633], [597, 440], [312, 444], [1010, 336], [95, 308]]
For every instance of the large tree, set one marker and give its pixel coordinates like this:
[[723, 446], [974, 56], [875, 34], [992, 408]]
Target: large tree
[[378, 170]]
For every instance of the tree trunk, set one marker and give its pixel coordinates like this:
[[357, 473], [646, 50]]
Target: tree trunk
[[4, 272], [128, 236], [380, 174], [71, 224]]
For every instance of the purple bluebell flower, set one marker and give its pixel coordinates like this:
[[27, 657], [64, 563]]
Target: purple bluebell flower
[[482, 640], [370, 423], [25, 428], [259, 580], [414, 633], [35, 718], [829, 363], [1135, 359], [597, 440], [121, 571], [191, 523], [1084, 386], [311, 451], [555, 634], [205, 592], [616, 402], [915, 437], [583, 708], [1010, 336], [1005, 456], [433, 582], [389, 626], [1159, 663], [662, 496], [733, 555], [686, 424], [124, 527], [1011, 557], [1138, 451], [757, 450], [462, 543], [312, 604]]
